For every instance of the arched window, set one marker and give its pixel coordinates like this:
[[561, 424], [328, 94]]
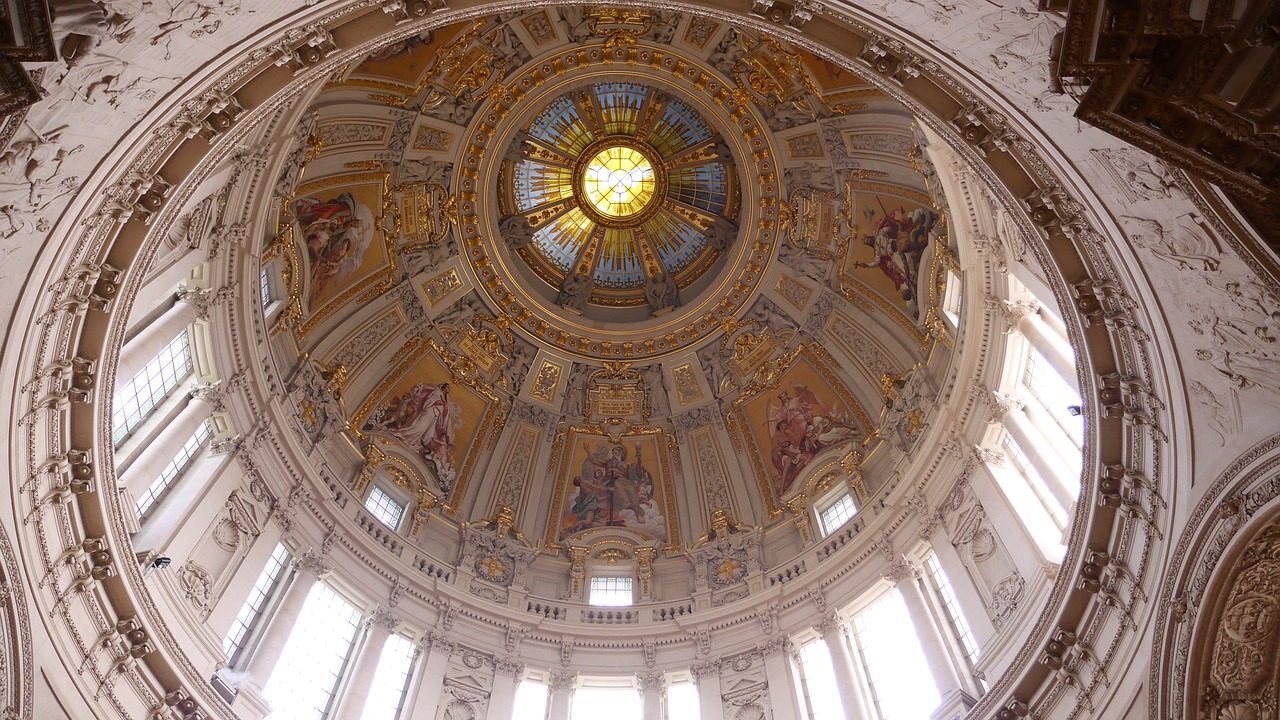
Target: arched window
[[139, 396], [319, 647], [818, 682], [531, 700], [174, 469], [251, 612], [391, 681], [888, 647]]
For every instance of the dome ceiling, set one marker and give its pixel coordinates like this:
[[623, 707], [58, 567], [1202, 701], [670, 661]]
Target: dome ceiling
[[612, 223]]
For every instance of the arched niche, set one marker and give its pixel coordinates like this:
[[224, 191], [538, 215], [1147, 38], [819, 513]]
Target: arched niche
[[1235, 662]]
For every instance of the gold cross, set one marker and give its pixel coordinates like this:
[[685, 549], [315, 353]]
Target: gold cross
[[728, 569], [309, 411], [494, 566], [914, 419]]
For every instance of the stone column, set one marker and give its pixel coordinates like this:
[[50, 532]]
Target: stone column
[[562, 686], [378, 628], [1023, 317], [653, 691], [777, 670], [710, 701], [834, 633], [502, 698], [426, 692], [153, 338], [906, 576], [1045, 462], [308, 569], [151, 462], [1050, 346], [1059, 442]]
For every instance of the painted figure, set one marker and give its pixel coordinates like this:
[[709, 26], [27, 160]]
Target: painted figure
[[613, 491], [800, 427], [337, 233], [898, 241], [426, 420]]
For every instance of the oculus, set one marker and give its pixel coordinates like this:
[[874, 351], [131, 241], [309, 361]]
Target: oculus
[[620, 196]]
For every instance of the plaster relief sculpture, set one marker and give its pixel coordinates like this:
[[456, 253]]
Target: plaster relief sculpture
[[983, 554], [660, 292], [575, 291], [193, 18], [1181, 243], [1139, 178]]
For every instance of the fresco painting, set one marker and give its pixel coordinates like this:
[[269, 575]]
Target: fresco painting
[[338, 226], [431, 416], [888, 250], [799, 419], [405, 60], [614, 484]]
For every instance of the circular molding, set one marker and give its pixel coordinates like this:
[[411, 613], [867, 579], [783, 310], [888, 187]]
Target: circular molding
[[698, 319], [45, 345]]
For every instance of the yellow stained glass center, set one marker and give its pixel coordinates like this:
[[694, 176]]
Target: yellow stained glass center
[[619, 182]]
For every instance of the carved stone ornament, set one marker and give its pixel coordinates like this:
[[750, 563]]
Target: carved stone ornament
[[727, 555], [1244, 664], [901, 570]]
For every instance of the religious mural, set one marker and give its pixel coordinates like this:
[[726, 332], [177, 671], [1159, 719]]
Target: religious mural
[[337, 225], [431, 415], [889, 247], [793, 419], [621, 482]]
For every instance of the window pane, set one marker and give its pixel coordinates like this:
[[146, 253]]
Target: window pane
[[386, 695], [381, 506], [257, 600], [901, 684], [610, 591], [951, 607], [531, 701], [683, 702], [264, 288], [838, 514], [820, 682], [314, 656], [1036, 481], [1057, 395], [139, 396], [614, 703], [174, 469]]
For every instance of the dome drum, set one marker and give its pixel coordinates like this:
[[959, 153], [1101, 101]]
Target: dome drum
[[737, 325]]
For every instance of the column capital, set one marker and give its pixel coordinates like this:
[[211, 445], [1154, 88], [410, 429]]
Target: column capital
[[563, 680], [438, 640], [1012, 311], [706, 669], [382, 619], [775, 646], [199, 298], [832, 623], [901, 570], [311, 564], [507, 667], [651, 681], [210, 393]]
